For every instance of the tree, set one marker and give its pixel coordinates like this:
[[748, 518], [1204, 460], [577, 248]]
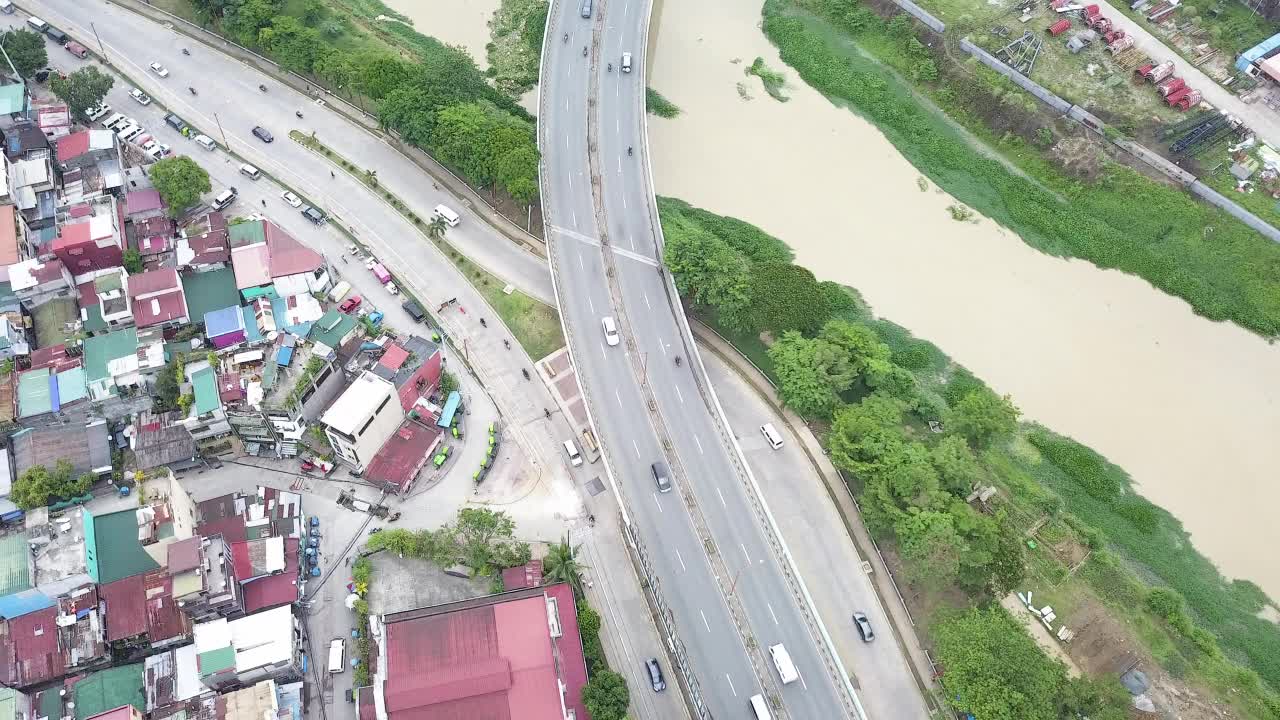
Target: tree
[[885, 376], [561, 565], [378, 73], [294, 45], [26, 51], [484, 538], [931, 546], [437, 228], [811, 373], [786, 297], [82, 89], [606, 696], [243, 20], [132, 261], [994, 669], [180, 181], [859, 342], [983, 417], [864, 433], [167, 388], [448, 382], [1165, 602], [37, 487], [958, 469], [706, 269]]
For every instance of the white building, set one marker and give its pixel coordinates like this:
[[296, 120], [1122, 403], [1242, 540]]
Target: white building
[[254, 648], [362, 419]]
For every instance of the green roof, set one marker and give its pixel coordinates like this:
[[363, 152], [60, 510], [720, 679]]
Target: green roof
[[51, 318], [100, 350], [212, 661], [107, 283], [209, 291], [331, 328], [50, 705], [13, 98], [93, 321], [109, 689], [246, 233], [116, 547], [34, 395], [8, 704], [15, 570], [204, 384]]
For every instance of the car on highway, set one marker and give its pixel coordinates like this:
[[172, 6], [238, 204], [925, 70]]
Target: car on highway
[[661, 477], [94, 113], [864, 627], [263, 134], [656, 680], [159, 69], [610, 330], [141, 97], [350, 304], [626, 62], [293, 200]]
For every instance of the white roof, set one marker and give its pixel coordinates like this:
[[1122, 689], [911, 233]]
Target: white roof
[[187, 674], [353, 407], [263, 638]]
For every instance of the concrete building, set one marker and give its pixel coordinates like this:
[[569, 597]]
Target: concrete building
[[362, 418], [104, 300], [204, 582], [266, 645], [206, 419], [90, 235], [123, 361], [36, 282], [413, 365]]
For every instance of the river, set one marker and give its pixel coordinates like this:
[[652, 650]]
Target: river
[[1189, 407]]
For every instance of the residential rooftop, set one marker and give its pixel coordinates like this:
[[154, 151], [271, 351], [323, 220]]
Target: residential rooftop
[[357, 403]]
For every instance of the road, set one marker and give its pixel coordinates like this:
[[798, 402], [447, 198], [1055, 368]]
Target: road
[[596, 201]]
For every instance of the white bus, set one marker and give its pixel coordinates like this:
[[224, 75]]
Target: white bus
[[760, 708], [447, 215], [337, 655], [782, 661]]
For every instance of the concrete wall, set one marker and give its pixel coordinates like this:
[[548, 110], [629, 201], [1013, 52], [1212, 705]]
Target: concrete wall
[[1018, 78], [919, 13]]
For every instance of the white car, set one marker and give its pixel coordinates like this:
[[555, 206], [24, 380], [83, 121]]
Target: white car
[[610, 330], [157, 150], [96, 112], [293, 200], [141, 97], [159, 69]]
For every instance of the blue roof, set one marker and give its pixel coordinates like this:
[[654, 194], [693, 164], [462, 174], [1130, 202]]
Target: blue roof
[[1257, 52], [285, 356], [450, 409], [252, 333], [26, 601], [223, 322]]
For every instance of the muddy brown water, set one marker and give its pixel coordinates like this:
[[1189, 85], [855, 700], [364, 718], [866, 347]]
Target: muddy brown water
[[1189, 407]]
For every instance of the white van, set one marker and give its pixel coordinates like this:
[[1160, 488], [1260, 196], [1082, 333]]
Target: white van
[[771, 434], [572, 451], [129, 132], [250, 171], [626, 62], [339, 291], [111, 122], [760, 708], [224, 199], [782, 661], [205, 142], [447, 215], [37, 24], [337, 655]]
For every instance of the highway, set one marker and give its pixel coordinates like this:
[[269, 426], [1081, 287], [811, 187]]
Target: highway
[[587, 190]]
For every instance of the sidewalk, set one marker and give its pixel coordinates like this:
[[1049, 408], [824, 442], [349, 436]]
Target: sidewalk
[[903, 626]]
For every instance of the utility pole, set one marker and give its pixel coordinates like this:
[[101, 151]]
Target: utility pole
[[101, 49], [222, 132]]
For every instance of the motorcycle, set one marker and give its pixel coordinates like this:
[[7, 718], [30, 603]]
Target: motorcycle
[[584, 51], [677, 361], [263, 88], [193, 91], [610, 67], [566, 37], [298, 113], [186, 51]]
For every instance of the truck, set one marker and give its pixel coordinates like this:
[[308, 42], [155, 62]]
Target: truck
[[339, 291], [380, 272]]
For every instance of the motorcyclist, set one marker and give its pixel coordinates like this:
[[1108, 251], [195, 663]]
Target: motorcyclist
[[628, 149]]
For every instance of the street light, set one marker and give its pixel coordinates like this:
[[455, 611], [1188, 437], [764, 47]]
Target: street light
[[733, 585]]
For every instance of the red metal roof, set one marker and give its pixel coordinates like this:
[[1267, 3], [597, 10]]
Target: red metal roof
[[142, 201], [124, 712], [73, 145], [165, 620], [184, 555], [394, 357], [288, 256], [403, 455], [126, 615], [274, 590], [525, 576], [229, 388], [35, 645], [153, 281], [156, 296], [492, 660], [230, 528]]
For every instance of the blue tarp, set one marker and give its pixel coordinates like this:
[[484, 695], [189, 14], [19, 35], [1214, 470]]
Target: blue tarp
[[21, 603], [450, 409], [285, 356], [1257, 52]]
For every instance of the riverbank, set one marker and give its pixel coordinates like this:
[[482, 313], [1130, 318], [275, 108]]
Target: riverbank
[[1077, 535]]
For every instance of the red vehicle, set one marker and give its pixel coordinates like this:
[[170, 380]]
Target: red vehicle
[[350, 304], [307, 465]]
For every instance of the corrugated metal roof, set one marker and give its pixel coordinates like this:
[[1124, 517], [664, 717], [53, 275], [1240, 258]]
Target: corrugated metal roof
[[275, 590], [204, 384], [109, 689], [119, 553], [126, 615]]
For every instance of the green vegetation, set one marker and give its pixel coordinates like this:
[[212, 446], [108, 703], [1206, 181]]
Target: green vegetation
[[516, 49], [916, 434], [180, 181], [1118, 219], [772, 79], [659, 105], [536, 326], [26, 51], [448, 382], [606, 696], [37, 487], [561, 565], [433, 95], [82, 89], [479, 538], [132, 261]]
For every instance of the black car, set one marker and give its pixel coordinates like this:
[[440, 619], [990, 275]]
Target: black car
[[263, 134], [655, 675], [864, 627], [414, 310], [312, 214], [661, 477]]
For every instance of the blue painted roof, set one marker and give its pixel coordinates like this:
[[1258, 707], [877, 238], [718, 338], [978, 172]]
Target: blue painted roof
[[285, 356], [223, 322], [1257, 52], [450, 409], [252, 333]]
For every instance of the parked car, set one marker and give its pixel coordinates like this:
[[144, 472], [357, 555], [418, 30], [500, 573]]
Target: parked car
[[159, 69], [141, 97], [176, 123], [263, 134], [656, 680], [94, 113], [293, 200], [312, 214], [414, 310], [160, 150], [864, 627], [350, 304]]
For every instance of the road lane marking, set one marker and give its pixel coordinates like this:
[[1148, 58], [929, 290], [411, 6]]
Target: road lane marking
[[575, 220], [771, 614], [699, 442], [619, 396], [677, 387], [570, 182], [722, 502], [732, 689], [681, 559], [646, 295], [581, 265], [662, 346], [705, 624], [745, 554], [617, 125], [603, 356], [802, 682], [637, 447], [619, 165], [591, 304], [655, 502], [624, 201]]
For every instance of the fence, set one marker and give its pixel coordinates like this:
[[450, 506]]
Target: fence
[[922, 15]]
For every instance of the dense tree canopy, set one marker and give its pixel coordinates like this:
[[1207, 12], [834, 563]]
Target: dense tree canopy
[[811, 373], [180, 182], [26, 50], [606, 696], [983, 417], [786, 297], [38, 486], [82, 89]]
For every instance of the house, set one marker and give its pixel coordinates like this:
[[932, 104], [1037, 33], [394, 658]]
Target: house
[[53, 120], [206, 417], [14, 704], [401, 458], [159, 440], [210, 291], [153, 237], [90, 235], [267, 569], [52, 393], [127, 542], [413, 366], [170, 679], [525, 576], [51, 561], [225, 327], [361, 419], [23, 138], [122, 361], [33, 187], [104, 299], [333, 330], [203, 575], [253, 648], [514, 654], [140, 610], [294, 387], [157, 299], [13, 338], [8, 511], [98, 692], [269, 261], [14, 246], [84, 445], [36, 282], [204, 244], [80, 634], [124, 712], [91, 163]]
